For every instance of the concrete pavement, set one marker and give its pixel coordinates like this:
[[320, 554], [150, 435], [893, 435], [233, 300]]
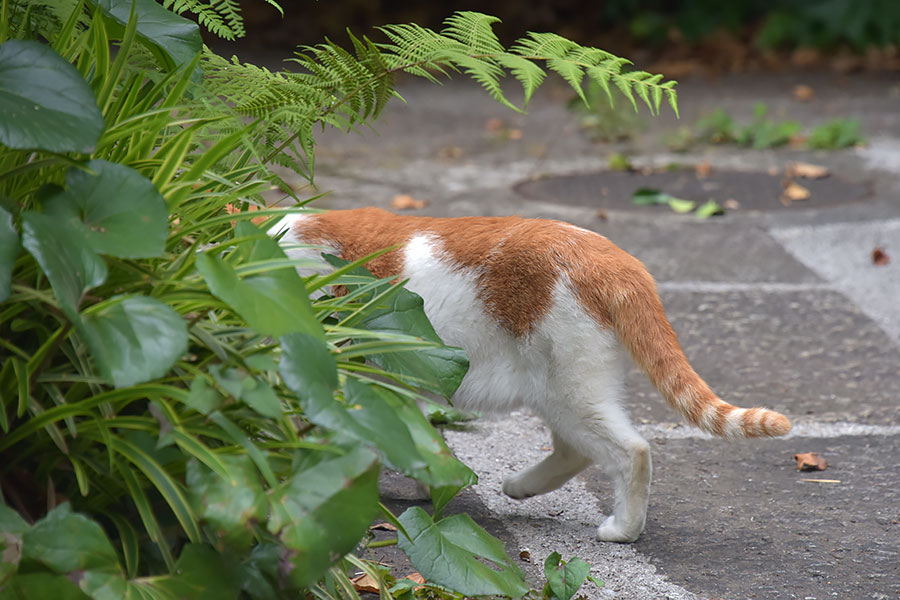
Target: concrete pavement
[[780, 307]]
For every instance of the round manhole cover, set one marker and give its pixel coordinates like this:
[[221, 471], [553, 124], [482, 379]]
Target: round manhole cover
[[752, 190]]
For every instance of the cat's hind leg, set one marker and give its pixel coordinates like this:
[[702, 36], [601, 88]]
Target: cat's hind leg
[[549, 474]]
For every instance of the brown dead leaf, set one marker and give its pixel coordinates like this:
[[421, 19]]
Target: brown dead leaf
[[450, 152], [794, 192], [364, 583], [803, 93], [416, 577], [525, 555], [702, 170], [880, 257], [731, 204], [810, 461], [494, 124], [383, 527], [514, 134], [602, 215], [407, 202], [806, 170]]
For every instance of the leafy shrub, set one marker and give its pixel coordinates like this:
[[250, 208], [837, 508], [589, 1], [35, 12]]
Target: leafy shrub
[[835, 134], [178, 418]]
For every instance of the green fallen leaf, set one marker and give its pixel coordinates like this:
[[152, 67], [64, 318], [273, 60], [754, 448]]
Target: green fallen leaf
[[708, 209], [682, 206]]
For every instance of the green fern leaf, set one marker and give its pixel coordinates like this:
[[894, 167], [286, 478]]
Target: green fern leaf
[[526, 72]]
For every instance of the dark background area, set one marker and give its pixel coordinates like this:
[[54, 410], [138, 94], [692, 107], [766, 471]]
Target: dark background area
[[681, 35]]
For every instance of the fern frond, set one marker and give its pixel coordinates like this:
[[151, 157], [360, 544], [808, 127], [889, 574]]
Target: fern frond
[[348, 87], [221, 17]]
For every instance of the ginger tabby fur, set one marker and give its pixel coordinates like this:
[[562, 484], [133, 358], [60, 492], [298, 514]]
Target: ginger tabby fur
[[546, 312]]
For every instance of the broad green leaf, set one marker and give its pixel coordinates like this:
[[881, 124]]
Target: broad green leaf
[[273, 303], [201, 574], [374, 414], [64, 542], [311, 372], [322, 512], [177, 38], [444, 474], [9, 250], [565, 578], [41, 585], [120, 212], [203, 398], [44, 102], [109, 586], [439, 369], [228, 506], [134, 339], [260, 396], [65, 256], [450, 553]]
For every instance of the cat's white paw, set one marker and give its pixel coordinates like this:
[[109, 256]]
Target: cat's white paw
[[611, 531], [515, 487]]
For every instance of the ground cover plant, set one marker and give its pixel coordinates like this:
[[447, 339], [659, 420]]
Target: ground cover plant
[[178, 418]]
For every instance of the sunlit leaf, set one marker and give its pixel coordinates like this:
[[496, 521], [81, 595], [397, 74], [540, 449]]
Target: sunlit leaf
[[176, 37]]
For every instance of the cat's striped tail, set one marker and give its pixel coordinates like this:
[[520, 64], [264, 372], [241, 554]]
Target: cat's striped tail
[[641, 324]]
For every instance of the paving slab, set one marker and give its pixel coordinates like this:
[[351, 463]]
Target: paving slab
[[740, 521], [812, 355]]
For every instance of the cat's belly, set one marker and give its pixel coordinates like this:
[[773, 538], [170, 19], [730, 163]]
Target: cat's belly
[[504, 372]]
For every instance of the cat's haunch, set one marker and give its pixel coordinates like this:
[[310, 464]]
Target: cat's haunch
[[547, 313]]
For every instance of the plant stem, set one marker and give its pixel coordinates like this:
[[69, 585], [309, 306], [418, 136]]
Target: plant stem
[[383, 543]]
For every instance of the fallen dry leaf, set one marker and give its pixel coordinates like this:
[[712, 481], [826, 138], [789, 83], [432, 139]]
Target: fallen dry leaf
[[494, 124], [803, 93], [794, 192], [731, 204], [514, 134], [810, 461], [525, 555], [450, 152], [806, 170], [384, 527], [702, 170], [880, 257], [602, 215], [416, 577], [364, 583], [407, 202]]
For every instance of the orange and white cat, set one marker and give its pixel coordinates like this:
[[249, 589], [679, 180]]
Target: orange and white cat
[[546, 312]]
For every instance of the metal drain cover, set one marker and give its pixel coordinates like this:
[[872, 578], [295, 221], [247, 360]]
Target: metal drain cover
[[753, 190]]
